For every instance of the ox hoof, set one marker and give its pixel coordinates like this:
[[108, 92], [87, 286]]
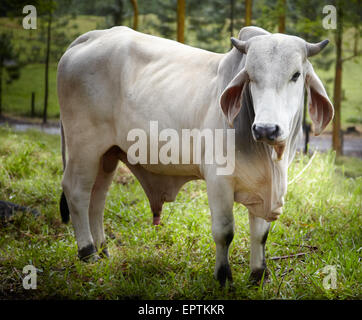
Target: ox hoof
[[223, 274], [257, 275], [156, 220], [88, 254]]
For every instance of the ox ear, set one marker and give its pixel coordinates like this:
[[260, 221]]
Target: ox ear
[[230, 100], [320, 108]]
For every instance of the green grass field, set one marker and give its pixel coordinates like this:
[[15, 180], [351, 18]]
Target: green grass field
[[322, 218], [17, 97]]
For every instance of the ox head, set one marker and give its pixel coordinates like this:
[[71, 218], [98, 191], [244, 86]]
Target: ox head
[[277, 70]]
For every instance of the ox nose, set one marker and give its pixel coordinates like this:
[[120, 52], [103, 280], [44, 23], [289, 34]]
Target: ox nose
[[266, 131]]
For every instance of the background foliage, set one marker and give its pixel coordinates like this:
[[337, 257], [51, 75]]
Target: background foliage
[[207, 26]]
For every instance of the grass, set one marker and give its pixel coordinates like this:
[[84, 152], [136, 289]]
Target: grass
[[17, 97], [349, 166], [322, 218]]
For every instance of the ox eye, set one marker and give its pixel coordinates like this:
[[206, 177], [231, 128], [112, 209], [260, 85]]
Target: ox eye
[[295, 76]]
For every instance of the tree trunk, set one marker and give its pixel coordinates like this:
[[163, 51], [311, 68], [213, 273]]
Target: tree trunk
[[1, 87], [45, 111], [248, 9], [181, 21], [336, 139], [356, 38], [135, 14], [281, 11], [32, 105], [232, 8], [118, 14]]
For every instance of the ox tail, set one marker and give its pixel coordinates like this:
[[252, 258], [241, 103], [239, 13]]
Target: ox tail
[[63, 205], [63, 145]]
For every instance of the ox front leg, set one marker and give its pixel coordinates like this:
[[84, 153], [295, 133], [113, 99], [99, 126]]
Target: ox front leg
[[259, 230], [221, 200]]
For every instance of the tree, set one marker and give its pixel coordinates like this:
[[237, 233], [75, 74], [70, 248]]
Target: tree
[[345, 13], [117, 11], [46, 80], [181, 21], [166, 25], [213, 22], [54, 18], [336, 139], [357, 35], [248, 12], [266, 14], [12, 8], [281, 12], [8, 63], [232, 9], [114, 10], [135, 14], [46, 9]]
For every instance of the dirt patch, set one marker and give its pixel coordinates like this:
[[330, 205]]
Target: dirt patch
[[12, 120]]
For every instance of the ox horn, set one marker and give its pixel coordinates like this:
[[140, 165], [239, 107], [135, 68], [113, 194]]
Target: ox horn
[[239, 44], [314, 48]]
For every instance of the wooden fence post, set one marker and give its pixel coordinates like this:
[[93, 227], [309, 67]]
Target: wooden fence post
[[32, 112], [306, 141]]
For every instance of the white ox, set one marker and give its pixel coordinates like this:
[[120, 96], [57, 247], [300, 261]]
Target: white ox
[[112, 81]]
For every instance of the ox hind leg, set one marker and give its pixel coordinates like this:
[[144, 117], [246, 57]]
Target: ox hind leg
[[107, 168], [78, 180], [259, 230]]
